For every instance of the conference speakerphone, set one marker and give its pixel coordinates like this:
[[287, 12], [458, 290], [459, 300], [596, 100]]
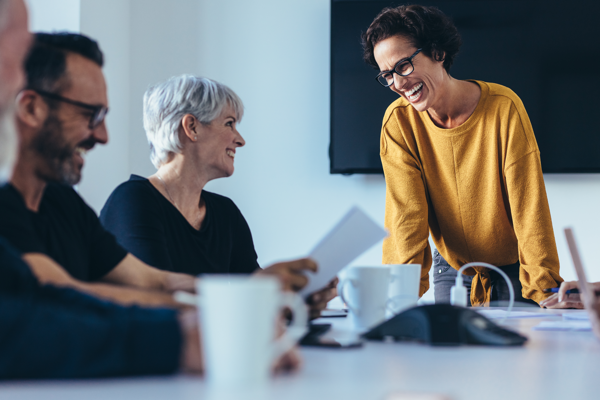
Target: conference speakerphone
[[444, 325]]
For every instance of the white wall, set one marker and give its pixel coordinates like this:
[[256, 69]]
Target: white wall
[[275, 55], [108, 22], [574, 201], [164, 42], [54, 15], [278, 63]]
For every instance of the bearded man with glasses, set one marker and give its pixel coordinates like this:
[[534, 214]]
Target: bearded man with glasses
[[461, 162]]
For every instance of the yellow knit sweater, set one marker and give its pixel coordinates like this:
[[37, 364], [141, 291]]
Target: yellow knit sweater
[[478, 188]]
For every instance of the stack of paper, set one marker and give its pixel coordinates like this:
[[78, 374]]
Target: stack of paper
[[563, 326], [577, 316], [492, 314]]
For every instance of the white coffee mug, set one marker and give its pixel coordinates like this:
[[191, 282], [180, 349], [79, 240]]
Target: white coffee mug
[[365, 292], [238, 325], [403, 292]]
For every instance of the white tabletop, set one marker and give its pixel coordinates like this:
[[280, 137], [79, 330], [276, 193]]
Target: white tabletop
[[551, 365]]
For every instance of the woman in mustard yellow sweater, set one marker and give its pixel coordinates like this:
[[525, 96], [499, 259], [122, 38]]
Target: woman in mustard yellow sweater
[[460, 161]]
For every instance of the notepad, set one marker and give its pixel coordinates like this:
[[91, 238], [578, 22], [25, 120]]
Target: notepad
[[354, 234]]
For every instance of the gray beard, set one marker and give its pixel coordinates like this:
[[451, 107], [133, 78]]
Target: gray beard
[[8, 143]]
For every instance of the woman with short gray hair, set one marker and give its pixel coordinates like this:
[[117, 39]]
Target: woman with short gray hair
[[165, 105], [168, 220]]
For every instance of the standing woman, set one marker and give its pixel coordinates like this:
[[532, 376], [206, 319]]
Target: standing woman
[[460, 161], [168, 220]]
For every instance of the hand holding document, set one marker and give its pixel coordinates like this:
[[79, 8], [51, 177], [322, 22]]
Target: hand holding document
[[353, 235]]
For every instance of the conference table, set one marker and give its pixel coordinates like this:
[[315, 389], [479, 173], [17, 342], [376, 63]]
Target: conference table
[[551, 365]]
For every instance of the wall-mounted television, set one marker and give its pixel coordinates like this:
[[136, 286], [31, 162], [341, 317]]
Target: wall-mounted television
[[546, 51]]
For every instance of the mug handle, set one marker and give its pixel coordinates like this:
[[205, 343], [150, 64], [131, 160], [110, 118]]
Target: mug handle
[[298, 327], [390, 302], [353, 309]]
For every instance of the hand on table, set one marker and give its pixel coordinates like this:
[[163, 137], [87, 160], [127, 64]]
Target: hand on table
[[575, 300], [317, 301], [291, 273], [177, 281], [290, 360], [564, 300]]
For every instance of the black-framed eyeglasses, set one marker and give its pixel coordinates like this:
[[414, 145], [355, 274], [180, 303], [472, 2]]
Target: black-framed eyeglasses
[[98, 112], [403, 67]]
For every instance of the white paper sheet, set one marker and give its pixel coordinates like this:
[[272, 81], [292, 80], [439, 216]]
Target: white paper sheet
[[353, 235], [577, 316], [493, 314], [564, 325]]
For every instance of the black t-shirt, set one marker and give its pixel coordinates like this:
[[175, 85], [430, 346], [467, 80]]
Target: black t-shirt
[[15, 275], [65, 228], [152, 229]]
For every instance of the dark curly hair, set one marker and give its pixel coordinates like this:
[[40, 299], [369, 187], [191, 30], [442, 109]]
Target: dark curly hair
[[426, 27]]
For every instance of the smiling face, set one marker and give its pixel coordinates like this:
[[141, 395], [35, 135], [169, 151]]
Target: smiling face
[[217, 144], [424, 87], [65, 136]]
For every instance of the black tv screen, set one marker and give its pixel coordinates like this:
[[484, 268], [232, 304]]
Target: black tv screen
[[547, 51]]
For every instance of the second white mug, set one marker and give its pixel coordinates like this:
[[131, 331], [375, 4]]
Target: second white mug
[[403, 292], [365, 292]]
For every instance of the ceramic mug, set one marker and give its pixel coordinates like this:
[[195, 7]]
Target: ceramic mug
[[403, 293], [365, 292], [238, 323]]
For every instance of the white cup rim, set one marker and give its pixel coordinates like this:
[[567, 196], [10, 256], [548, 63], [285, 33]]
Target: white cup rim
[[370, 266], [402, 265], [238, 281]]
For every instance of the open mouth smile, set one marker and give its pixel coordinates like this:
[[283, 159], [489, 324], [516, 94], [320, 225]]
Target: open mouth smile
[[414, 94]]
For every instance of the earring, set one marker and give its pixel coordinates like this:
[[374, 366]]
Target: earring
[[195, 138]]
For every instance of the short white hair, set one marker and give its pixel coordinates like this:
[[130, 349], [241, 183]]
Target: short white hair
[[166, 103]]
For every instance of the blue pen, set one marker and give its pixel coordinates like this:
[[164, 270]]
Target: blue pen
[[555, 290]]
